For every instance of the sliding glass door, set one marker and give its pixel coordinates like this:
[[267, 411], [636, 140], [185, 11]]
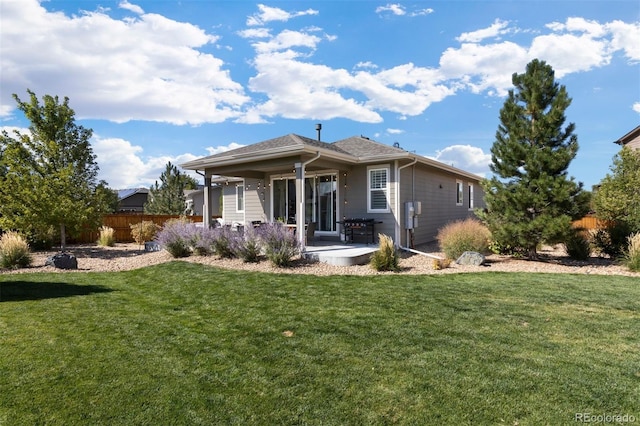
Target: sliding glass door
[[320, 193]]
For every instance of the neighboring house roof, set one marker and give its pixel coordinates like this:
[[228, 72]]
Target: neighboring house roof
[[126, 193], [353, 150], [629, 137]]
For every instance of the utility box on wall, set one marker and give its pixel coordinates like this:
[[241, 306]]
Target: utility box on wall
[[412, 210]]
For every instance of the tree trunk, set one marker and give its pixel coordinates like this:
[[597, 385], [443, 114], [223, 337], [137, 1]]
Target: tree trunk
[[533, 253], [63, 238]]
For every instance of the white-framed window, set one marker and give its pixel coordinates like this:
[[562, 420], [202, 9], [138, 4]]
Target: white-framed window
[[378, 189], [240, 198], [459, 192], [470, 192]]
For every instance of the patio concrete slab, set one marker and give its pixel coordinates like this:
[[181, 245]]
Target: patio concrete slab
[[341, 254]]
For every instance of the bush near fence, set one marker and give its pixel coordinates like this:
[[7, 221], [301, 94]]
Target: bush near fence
[[121, 223]]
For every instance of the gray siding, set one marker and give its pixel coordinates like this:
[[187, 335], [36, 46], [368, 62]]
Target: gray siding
[[255, 196], [229, 212], [437, 191], [356, 192]]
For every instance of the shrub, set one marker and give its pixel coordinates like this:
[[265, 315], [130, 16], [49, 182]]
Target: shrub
[[386, 258], [577, 244], [439, 264], [107, 237], [14, 251], [611, 240], [498, 247], [176, 237], [144, 231], [223, 242], [42, 239], [249, 246], [280, 244], [632, 254], [464, 235], [202, 241]]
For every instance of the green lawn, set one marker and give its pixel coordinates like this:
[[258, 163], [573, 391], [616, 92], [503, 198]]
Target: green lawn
[[180, 343]]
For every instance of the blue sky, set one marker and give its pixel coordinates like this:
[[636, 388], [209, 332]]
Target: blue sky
[[174, 80]]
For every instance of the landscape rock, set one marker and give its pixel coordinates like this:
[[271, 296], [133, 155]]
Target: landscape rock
[[152, 246], [62, 261], [471, 258]]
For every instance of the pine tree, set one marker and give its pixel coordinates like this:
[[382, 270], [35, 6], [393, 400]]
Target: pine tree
[[530, 199], [48, 177], [168, 197]]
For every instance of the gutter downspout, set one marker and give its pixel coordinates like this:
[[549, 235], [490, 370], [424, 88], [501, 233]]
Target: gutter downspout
[[301, 212], [398, 219]]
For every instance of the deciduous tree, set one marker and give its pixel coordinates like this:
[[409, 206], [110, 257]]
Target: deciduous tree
[[49, 174], [618, 197]]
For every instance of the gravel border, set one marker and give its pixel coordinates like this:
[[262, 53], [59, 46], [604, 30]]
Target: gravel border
[[123, 257]]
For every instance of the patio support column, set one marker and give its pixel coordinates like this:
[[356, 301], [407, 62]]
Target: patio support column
[[300, 210], [206, 210]]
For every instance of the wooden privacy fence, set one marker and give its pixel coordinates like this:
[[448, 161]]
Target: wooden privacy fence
[[589, 223], [121, 224]]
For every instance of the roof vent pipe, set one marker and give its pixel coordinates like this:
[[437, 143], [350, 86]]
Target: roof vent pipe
[[318, 128]]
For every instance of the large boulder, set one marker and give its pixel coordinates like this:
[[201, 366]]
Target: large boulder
[[62, 261], [471, 258]]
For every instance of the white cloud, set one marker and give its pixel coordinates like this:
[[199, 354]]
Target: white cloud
[[268, 14], [131, 7], [301, 89], [255, 33], [568, 53], [576, 45], [396, 9], [581, 25], [162, 76], [625, 37], [484, 67], [122, 165], [223, 148], [285, 40], [395, 131], [11, 130], [636, 107], [167, 76], [366, 64], [465, 157], [423, 12], [496, 29]]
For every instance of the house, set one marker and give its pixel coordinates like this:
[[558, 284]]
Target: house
[[194, 199], [350, 178], [631, 139], [132, 200]]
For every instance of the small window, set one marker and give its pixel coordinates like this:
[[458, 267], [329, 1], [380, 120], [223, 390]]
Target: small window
[[459, 193], [240, 198], [378, 194], [470, 196]]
